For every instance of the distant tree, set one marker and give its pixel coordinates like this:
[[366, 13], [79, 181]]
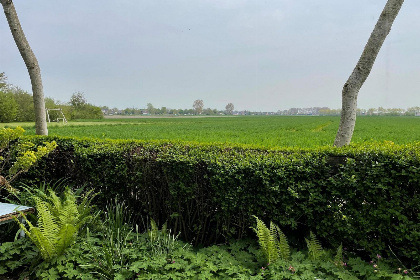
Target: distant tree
[[198, 106], [381, 110], [207, 112], [3, 80], [129, 111], [150, 109], [81, 109], [78, 100], [362, 70], [50, 103], [25, 102], [229, 108], [31, 64], [9, 107], [371, 111], [412, 111], [88, 111]]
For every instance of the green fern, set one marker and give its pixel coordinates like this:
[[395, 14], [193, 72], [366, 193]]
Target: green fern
[[315, 251], [282, 245], [272, 241], [58, 223], [161, 242], [338, 259], [154, 230]]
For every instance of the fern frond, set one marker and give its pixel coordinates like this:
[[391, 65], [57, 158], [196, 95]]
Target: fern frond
[[47, 223], [58, 223], [272, 250], [69, 213], [84, 207], [272, 241], [282, 245], [66, 237], [315, 251], [164, 229], [154, 230], [45, 245], [55, 205], [83, 221], [338, 259], [263, 236]]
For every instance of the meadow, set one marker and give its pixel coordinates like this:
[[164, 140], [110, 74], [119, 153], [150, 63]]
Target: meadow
[[263, 131]]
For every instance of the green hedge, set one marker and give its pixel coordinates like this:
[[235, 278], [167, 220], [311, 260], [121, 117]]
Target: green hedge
[[365, 197]]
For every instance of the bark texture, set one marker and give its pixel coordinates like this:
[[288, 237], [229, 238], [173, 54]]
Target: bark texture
[[362, 70], [31, 64]]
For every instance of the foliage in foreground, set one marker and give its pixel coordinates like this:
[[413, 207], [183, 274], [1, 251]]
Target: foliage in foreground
[[113, 250], [239, 260], [59, 220]]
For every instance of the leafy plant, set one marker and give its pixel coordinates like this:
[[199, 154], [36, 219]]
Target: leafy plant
[[238, 260], [272, 241], [338, 258], [59, 221], [161, 242], [111, 258], [27, 157], [16, 255], [315, 251]]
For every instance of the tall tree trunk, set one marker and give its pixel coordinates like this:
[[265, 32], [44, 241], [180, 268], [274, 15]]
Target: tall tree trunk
[[362, 70], [31, 64]]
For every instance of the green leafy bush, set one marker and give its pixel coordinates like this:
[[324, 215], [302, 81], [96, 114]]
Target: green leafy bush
[[26, 155], [365, 197]]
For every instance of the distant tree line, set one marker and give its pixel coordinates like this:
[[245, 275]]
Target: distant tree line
[[17, 105], [229, 110], [325, 111], [380, 111], [197, 109]]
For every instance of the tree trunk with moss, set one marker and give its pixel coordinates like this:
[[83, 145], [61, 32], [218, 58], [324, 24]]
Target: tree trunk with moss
[[31, 64], [362, 70]]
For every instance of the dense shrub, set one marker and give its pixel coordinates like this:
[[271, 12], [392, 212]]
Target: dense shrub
[[366, 197]]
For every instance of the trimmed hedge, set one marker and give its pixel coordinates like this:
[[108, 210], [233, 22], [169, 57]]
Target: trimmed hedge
[[365, 197]]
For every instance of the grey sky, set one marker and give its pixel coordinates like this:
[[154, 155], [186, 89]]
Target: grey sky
[[262, 55]]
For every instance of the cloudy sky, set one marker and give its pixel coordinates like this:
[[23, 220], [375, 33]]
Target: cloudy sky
[[261, 55]]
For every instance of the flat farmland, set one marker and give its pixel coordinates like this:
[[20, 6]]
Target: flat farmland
[[263, 131]]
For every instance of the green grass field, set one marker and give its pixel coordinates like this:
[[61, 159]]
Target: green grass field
[[267, 131]]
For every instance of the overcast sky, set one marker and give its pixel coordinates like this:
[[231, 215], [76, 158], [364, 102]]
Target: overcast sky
[[261, 55]]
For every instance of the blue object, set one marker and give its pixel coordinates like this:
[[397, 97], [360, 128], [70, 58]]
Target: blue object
[[8, 211]]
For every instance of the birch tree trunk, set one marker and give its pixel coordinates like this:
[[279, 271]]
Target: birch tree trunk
[[31, 64], [362, 70]]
